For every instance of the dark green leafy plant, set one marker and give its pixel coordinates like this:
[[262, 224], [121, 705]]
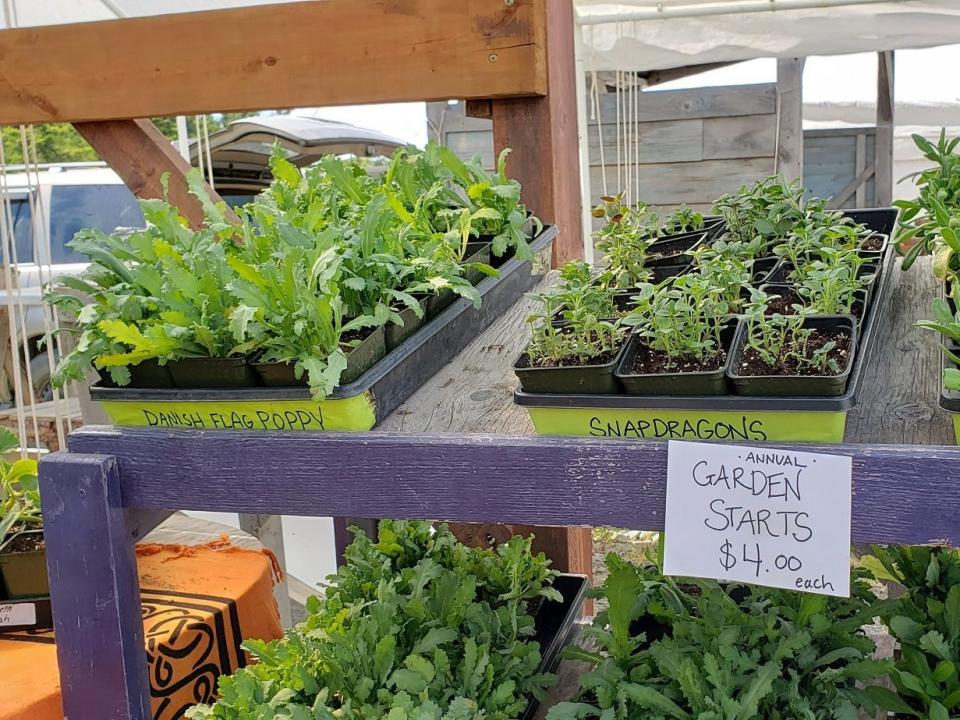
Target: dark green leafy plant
[[415, 626], [926, 623], [767, 210], [695, 649], [624, 240]]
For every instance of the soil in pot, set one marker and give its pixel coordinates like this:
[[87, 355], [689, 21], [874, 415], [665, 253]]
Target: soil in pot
[[209, 373], [394, 334], [23, 565], [787, 296], [750, 375], [364, 355], [674, 250], [644, 371], [597, 378], [874, 244]]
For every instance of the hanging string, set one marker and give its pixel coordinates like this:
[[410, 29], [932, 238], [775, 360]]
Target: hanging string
[[6, 242], [200, 158], [636, 135], [616, 90], [50, 315], [597, 116], [206, 144]]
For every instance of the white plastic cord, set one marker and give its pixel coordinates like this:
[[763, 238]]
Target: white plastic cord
[[597, 116]]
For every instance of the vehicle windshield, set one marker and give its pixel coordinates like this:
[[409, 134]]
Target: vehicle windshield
[[75, 207], [22, 228]]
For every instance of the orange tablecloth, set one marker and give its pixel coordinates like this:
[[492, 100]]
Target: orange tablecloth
[[198, 602]]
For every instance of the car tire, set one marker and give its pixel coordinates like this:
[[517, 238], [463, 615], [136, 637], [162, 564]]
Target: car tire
[[40, 375]]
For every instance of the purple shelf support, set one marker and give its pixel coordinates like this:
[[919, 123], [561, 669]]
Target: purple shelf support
[[94, 589], [114, 480]]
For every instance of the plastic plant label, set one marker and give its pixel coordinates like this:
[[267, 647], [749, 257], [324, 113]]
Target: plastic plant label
[[17, 614], [759, 515]]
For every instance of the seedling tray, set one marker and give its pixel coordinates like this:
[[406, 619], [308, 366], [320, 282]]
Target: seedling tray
[[360, 405], [735, 418], [554, 627]]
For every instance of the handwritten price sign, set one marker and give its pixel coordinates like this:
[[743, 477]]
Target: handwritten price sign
[[769, 517]]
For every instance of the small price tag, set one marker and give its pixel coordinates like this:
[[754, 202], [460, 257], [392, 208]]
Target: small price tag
[[17, 614], [769, 517]]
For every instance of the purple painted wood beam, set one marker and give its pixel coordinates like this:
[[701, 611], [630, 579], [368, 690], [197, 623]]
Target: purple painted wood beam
[[94, 589], [902, 494]]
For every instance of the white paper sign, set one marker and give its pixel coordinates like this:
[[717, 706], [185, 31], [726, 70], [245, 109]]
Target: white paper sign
[[16, 614], [762, 516]]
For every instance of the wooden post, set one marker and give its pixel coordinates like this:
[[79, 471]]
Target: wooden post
[[94, 589], [140, 154], [545, 158], [790, 118], [883, 182], [542, 133]]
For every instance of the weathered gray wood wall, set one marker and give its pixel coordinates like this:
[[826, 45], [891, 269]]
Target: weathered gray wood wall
[[693, 145]]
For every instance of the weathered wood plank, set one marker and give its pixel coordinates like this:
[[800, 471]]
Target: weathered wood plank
[[271, 56], [726, 101], [140, 154], [654, 142], [902, 494], [739, 137], [790, 118], [901, 381], [692, 183], [885, 112]]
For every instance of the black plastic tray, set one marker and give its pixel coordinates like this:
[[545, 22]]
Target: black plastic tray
[[554, 627], [43, 614], [741, 402], [404, 369]]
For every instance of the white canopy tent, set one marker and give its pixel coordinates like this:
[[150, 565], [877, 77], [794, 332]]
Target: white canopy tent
[[645, 35]]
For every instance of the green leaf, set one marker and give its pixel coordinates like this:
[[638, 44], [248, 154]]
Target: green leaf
[[889, 700]]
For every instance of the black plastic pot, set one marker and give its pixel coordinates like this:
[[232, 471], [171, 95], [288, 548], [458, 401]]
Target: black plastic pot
[[150, 374], [24, 574], [364, 356], [498, 260], [208, 373], [278, 374], [477, 252], [784, 289], [553, 624], [394, 335], [794, 385], [675, 249], [435, 303], [875, 252], [762, 267], [705, 383], [576, 379]]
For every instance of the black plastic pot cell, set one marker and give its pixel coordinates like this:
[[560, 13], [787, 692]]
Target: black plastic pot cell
[[794, 385], [674, 250], [553, 624], [278, 374], [780, 273], [394, 335], [24, 574], [150, 374], [435, 303], [705, 383], [364, 356], [498, 260], [858, 309], [208, 373], [662, 272], [477, 252], [874, 246], [577, 380], [762, 267]]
